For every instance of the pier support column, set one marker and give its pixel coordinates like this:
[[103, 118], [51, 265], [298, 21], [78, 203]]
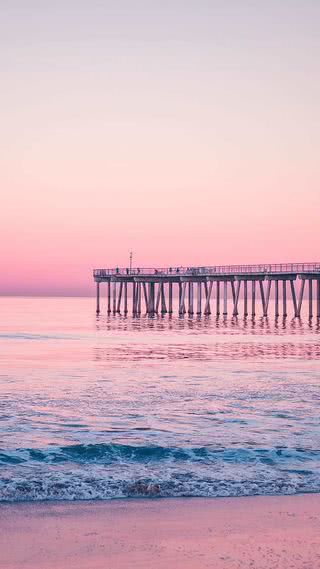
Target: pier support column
[[109, 296], [245, 298], [267, 298], [134, 294], [163, 300], [263, 300], [119, 297], [302, 285], [125, 297], [236, 299], [190, 298], [158, 298], [310, 299], [114, 297], [207, 309], [138, 298], [284, 297], [180, 295], [253, 309], [145, 294], [182, 308], [276, 304], [225, 298], [199, 299], [294, 298], [218, 298], [170, 298], [98, 299], [151, 303], [233, 291]]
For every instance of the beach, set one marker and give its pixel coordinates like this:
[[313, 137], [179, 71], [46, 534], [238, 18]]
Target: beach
[[267, 532]]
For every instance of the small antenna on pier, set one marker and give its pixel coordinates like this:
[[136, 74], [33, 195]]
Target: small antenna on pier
[[130, 260]]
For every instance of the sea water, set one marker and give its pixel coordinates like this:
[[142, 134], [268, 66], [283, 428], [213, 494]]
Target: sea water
[[116, 407]]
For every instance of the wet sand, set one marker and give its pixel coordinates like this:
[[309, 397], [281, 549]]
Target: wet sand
[[220, 533]]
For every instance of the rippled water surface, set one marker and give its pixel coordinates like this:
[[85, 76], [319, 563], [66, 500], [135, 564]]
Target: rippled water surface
[[117, 407]]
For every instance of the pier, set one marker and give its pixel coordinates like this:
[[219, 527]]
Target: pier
[[211, 290]]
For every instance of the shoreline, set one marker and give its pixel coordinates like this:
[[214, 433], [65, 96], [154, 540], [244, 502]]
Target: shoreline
[[263, 532], [151, 498]]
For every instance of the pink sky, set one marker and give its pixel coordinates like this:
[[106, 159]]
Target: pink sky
[[187, 132]]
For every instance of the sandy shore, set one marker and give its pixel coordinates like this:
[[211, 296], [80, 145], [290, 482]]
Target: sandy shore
[[258, 532]]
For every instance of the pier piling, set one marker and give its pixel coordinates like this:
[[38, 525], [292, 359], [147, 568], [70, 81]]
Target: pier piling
[[284, 298], [199, 298], [218, 298], [276, 305], [225, 298], [245, 298], [98, 298]]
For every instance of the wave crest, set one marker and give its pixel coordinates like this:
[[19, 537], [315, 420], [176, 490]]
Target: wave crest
[[103, 453]]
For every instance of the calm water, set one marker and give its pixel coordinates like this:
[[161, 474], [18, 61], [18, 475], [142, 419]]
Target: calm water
[[120, 407]]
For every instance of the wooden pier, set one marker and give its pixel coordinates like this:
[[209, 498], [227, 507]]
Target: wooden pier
[[206, 290]]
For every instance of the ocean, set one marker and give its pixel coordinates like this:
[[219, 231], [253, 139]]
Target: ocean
[[119, 407]]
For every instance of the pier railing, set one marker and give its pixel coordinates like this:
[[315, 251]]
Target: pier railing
[[275, 268]]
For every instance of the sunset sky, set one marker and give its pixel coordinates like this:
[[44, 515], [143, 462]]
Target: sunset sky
[[187, 131]]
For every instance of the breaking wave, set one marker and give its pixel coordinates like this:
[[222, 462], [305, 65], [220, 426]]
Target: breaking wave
[[117, 453], [106, 471]]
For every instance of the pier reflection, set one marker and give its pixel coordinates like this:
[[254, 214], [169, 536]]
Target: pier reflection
[[207, 339]]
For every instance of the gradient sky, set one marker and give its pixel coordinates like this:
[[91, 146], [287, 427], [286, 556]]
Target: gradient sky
[[187, 131]]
